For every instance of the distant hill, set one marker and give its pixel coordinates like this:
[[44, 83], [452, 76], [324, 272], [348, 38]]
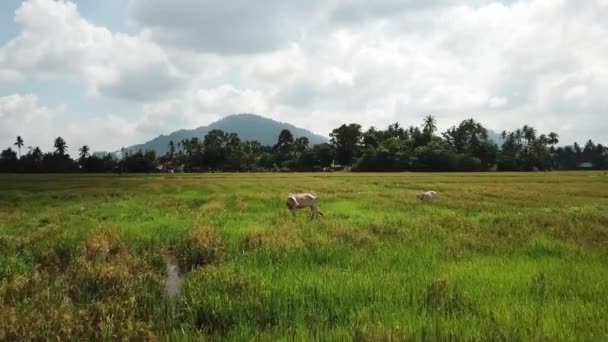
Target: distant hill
[[247, 126], [495, 137]]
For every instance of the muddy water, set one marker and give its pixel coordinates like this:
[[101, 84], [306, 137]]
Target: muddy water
[[173, 281]]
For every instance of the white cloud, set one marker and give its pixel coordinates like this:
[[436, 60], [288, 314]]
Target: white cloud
[[535, 61], [224, 27], [198, 107], [107, 133], [22, 115], [56, 42], [319, 64]]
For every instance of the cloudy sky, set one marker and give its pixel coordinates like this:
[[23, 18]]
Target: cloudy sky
[[117, 72]]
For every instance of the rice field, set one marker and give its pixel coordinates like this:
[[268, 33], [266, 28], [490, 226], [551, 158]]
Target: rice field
[[499, 256]]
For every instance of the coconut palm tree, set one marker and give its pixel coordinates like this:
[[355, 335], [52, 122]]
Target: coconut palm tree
[[60, 146], [19, 144], [528, 133], [553, 138], [84, 151], [518, 135], [171, 148], [430, 125]]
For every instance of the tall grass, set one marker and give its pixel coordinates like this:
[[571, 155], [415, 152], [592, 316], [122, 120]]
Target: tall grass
[[499, 256]]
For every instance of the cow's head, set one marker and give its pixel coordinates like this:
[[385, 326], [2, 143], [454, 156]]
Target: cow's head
[[291, 203]]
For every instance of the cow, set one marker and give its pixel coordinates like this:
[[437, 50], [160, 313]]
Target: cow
[[427, 196], [304, 200]]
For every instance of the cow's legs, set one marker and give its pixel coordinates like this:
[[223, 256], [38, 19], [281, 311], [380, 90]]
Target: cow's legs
[[314, 212]]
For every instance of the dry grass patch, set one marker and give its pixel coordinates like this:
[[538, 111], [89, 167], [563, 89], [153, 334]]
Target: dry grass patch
[[101, 296], [11, 215], [105, 268], [213, 206], [276, 240], [201, 246]]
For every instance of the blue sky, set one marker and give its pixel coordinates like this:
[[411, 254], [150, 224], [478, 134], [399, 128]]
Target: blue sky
[[118, 72], [109, 13]]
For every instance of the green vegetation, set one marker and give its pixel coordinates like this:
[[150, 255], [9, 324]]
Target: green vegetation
[[500, 256], [467, 147]]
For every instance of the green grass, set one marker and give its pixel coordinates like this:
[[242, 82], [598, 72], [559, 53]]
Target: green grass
[[500, 256]]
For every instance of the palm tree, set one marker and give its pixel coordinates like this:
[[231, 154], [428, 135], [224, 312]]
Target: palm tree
[[528, 133], [553, 138], [84, 152], [19, 144], [395, 130], [60, 146], [171, 148], [430, 125], [519, 135], [186, 147], [37, 154]]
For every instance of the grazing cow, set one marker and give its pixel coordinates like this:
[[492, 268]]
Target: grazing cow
[[303, 200], [427, 196]]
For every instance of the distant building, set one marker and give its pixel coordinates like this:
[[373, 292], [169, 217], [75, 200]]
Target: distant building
[[585, 165]]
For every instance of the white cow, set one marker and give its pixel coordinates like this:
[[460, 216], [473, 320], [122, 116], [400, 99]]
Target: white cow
[[304, 200], [427, 196]]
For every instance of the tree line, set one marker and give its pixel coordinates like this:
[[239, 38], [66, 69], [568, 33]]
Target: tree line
[[465, 147]]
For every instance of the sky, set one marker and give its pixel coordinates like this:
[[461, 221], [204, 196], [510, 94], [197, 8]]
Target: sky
[[114, 73]]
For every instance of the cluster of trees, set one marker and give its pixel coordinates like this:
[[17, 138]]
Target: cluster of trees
[[466, 147], [35, 161]]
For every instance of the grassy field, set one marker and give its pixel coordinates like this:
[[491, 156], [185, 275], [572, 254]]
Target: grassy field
[[497, 257]]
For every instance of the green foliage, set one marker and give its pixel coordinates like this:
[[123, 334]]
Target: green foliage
[[471, 139], [60, 146], [441, 297], [346, 139], [467, 147]]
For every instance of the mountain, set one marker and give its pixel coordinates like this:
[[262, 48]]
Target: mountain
[[247, 126], [495, 137]]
